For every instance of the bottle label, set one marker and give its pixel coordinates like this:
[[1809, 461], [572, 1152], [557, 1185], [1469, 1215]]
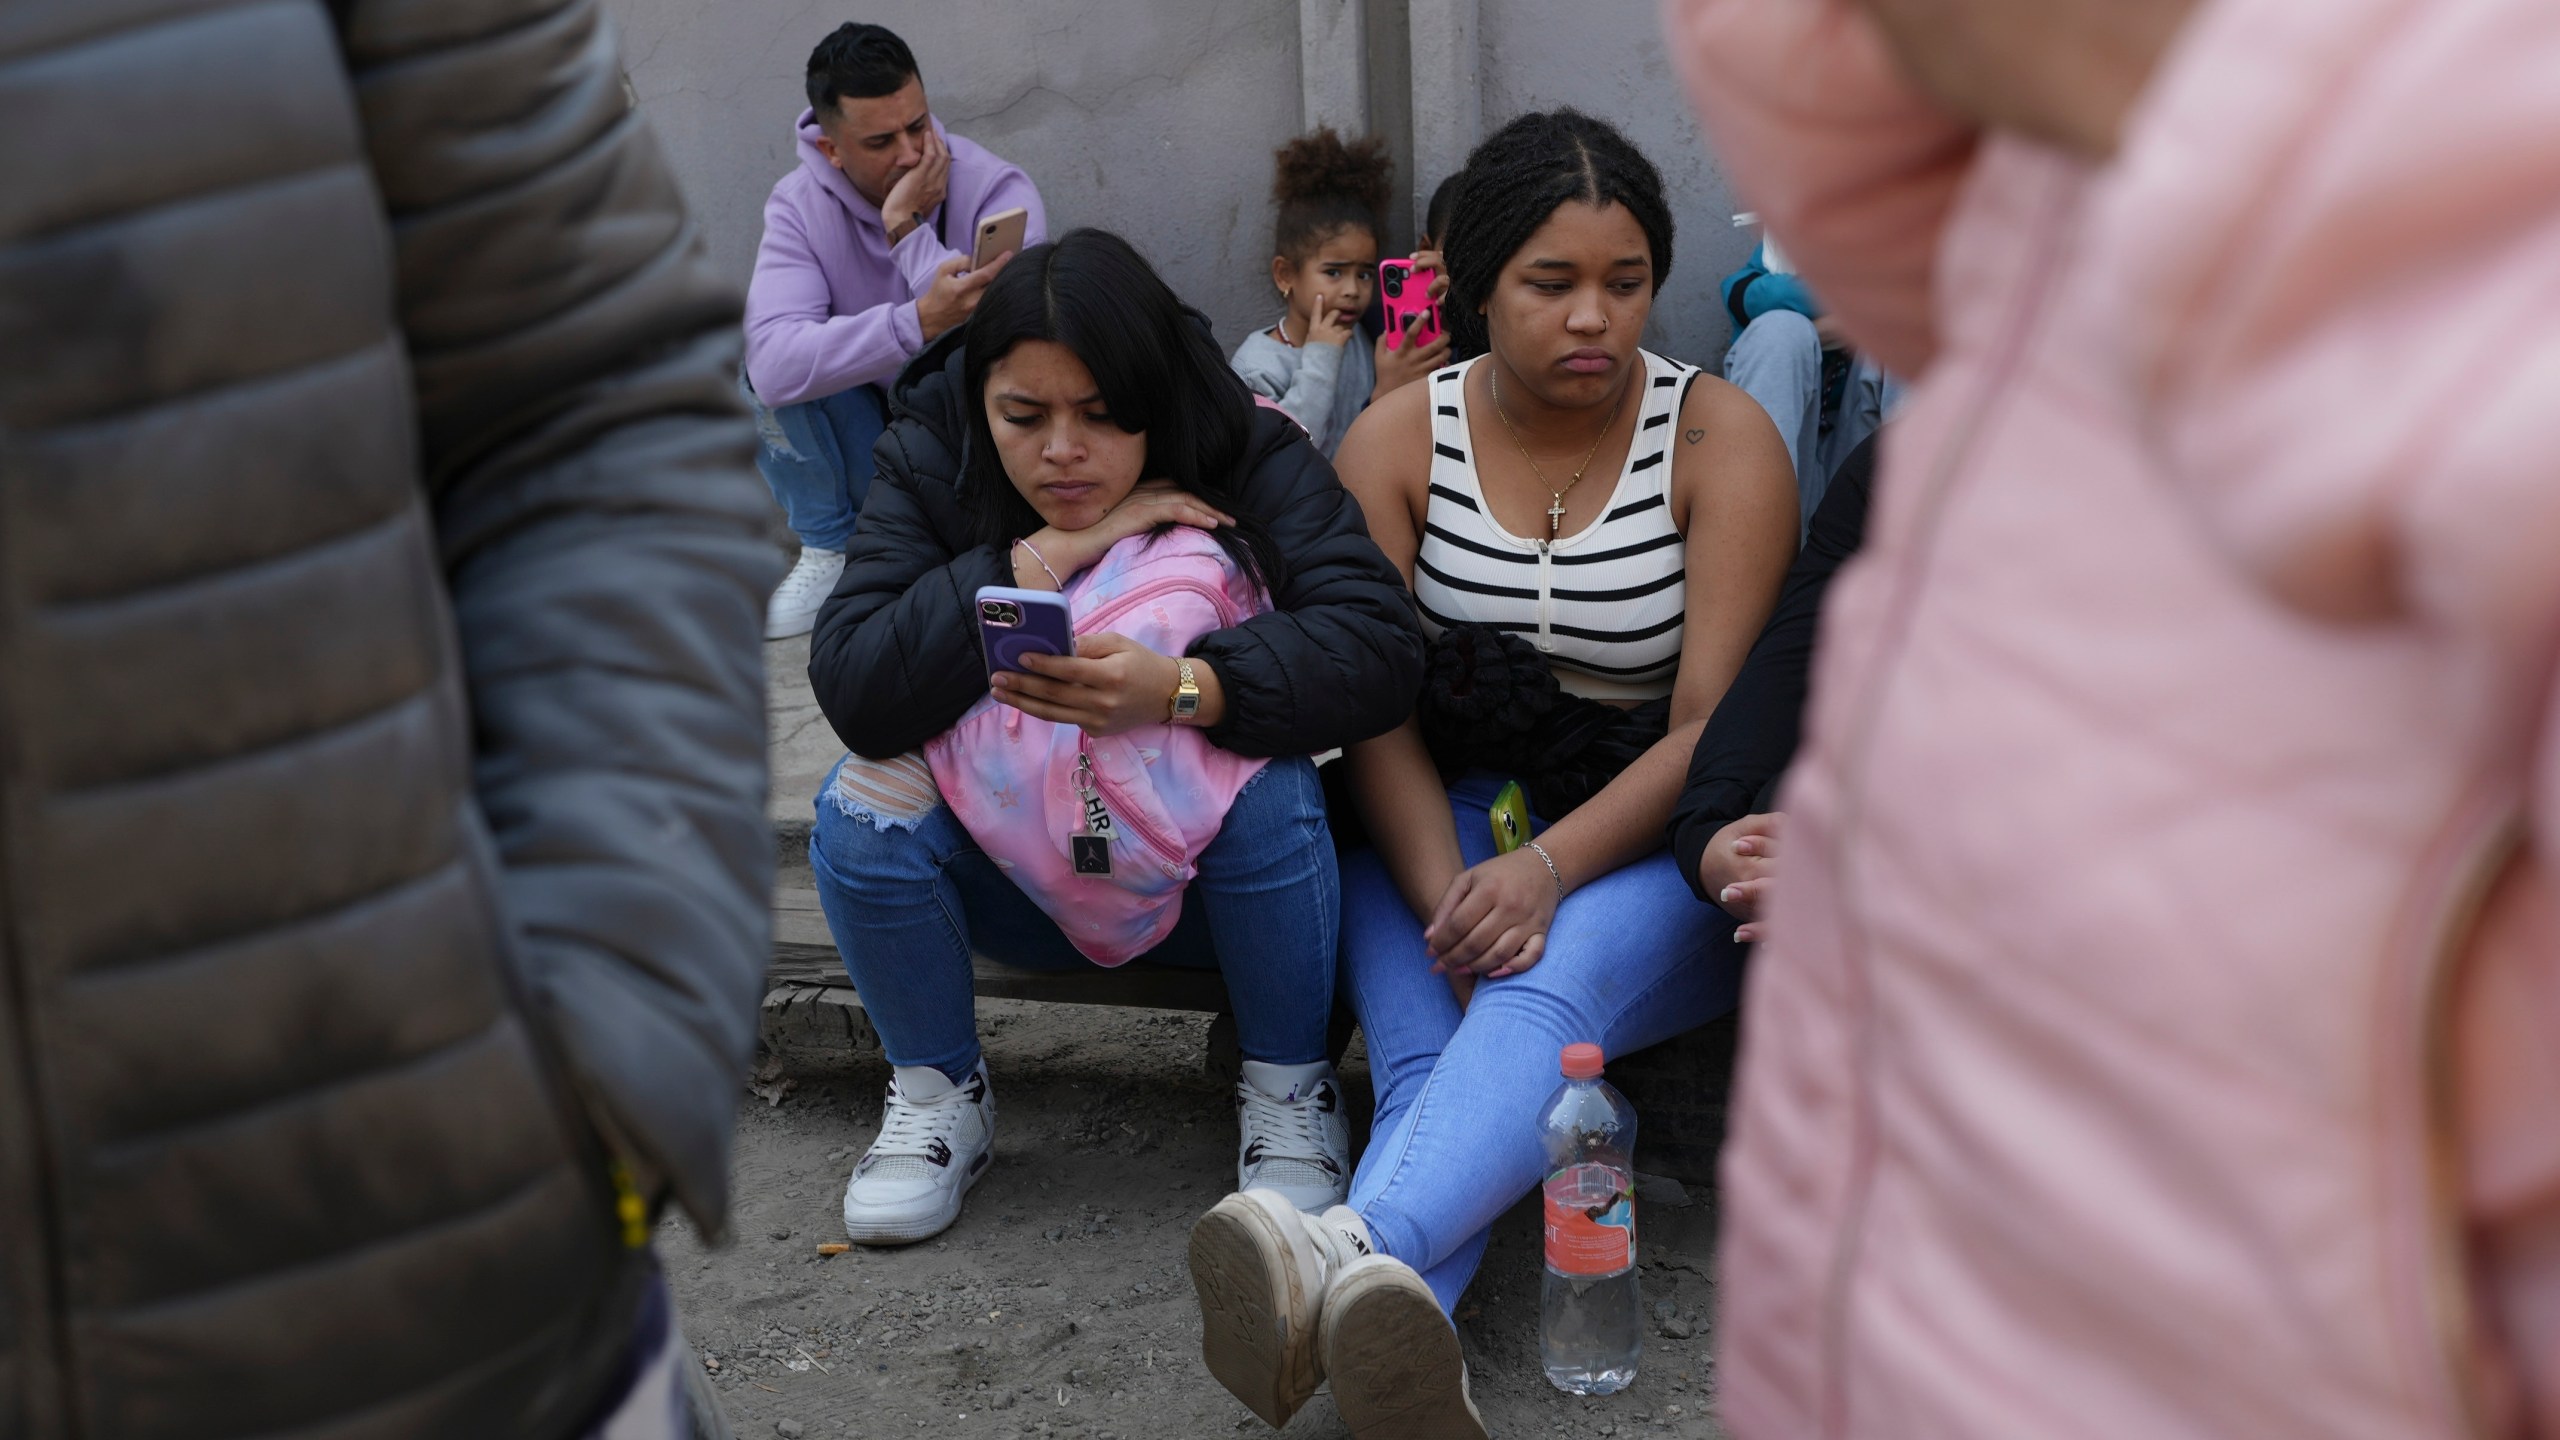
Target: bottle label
[[1591, 1220]]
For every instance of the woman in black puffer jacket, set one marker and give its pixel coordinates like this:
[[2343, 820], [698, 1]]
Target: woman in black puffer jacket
[[1083, 405]]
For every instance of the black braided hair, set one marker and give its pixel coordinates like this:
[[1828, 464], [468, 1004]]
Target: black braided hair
[[1515, 180], [1323, 184]]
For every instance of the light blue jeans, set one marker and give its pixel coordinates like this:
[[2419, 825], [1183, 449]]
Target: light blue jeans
[[1632, 960], [816, 458], [1777, 360], [909, 899]]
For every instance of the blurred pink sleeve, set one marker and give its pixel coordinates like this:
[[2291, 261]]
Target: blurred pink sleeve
[[2336, 226], [1849, 167]]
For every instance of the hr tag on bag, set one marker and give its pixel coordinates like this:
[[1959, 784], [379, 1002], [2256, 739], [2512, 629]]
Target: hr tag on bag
[[1089, 847]]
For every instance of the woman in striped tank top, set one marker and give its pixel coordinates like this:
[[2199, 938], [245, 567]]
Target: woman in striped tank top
[[1629, 519]]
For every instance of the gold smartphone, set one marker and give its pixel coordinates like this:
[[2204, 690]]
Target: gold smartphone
[[998, 233]]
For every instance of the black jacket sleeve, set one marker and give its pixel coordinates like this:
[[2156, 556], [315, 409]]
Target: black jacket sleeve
[[574, 359], [1339, 658], [1752, 735], [894, 660]]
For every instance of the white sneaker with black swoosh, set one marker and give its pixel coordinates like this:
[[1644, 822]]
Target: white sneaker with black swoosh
[[1293, 1137], [936, 1139]]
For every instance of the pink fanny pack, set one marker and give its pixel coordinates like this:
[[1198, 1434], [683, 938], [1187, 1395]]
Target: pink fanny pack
[[1026, 788]]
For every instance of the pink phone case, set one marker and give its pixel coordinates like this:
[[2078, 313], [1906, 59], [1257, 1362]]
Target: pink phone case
[[1405, 293], [1014, 623]]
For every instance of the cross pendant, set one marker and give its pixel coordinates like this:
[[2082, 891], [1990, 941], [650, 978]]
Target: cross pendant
[[1555, 517]]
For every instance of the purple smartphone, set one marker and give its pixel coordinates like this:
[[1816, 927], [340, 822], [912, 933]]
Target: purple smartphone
[[1014, 623]]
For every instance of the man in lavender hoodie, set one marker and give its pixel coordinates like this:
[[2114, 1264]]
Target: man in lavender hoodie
[[864, 263]]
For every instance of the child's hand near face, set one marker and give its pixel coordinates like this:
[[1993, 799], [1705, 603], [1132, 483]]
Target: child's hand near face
[[1329, 326]]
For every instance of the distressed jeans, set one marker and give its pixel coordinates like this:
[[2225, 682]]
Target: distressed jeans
[[1777, 360], [816, 458], [910, 897], [1632, 960]]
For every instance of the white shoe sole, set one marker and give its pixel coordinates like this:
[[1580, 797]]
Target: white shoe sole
[[1249, 1292], [1395, 1364], [909, 1231], [783, 627]]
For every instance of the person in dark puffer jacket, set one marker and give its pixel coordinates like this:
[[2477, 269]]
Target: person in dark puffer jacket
[[383, 864], [1094, 408]]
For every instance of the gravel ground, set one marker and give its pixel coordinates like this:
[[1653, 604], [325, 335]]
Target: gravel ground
[[1060, 1305]]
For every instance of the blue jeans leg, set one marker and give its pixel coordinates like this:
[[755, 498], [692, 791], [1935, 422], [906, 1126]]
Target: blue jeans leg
[[1632, 960], [1273, 898], [816, 458], [909, 900], [1777, 360], [1871, 399]]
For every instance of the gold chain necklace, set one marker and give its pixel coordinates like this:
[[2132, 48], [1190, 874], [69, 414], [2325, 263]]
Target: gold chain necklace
[[1555, 502]]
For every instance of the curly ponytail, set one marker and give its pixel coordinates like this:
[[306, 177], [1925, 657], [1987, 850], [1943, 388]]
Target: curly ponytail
[[1322, 185]]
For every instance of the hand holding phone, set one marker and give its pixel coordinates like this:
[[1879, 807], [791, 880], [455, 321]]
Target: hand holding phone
[[953, 296]]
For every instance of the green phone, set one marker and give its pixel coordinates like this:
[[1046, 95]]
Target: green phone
[[1510, 817]]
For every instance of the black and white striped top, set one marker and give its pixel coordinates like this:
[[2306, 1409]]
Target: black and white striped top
[[1603, 604]]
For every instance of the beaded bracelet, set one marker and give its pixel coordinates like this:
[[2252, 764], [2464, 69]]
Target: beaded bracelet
[[1043, 563]]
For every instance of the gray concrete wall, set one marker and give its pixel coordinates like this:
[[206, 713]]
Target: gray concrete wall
[[1609, 61], [1157, 118]]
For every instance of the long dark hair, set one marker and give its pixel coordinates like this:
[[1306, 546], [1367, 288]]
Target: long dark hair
[[1157, 368], [1517, 178]]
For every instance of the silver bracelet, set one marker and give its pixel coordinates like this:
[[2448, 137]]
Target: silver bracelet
[[1552, 872], [1042, 561]]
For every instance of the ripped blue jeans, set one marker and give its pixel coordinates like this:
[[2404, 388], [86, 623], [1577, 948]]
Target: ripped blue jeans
[[816, 458], [909, 896]]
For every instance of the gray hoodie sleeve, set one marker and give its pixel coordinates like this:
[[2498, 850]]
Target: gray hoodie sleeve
[[1299, 379]]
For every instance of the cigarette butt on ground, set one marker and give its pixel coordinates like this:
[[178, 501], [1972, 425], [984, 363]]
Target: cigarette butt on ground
[[837, 1247]]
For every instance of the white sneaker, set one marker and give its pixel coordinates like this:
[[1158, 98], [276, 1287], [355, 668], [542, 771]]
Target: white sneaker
[[1293, 1137], [793, 610], [1393, 1359], [936, 1139], [1260, 1268]]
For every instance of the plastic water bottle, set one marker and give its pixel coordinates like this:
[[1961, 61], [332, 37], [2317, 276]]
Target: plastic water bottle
[[1591, 1324]]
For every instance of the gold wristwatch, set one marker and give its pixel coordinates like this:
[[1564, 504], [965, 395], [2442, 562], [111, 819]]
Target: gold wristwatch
[[1186, 692]]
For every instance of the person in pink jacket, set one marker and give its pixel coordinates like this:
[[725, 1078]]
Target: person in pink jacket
[[864, 262], [2159, 1029]]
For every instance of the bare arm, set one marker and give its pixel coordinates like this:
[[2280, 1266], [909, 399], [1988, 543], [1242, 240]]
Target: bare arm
[[1385, 462], [1733, 496]]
